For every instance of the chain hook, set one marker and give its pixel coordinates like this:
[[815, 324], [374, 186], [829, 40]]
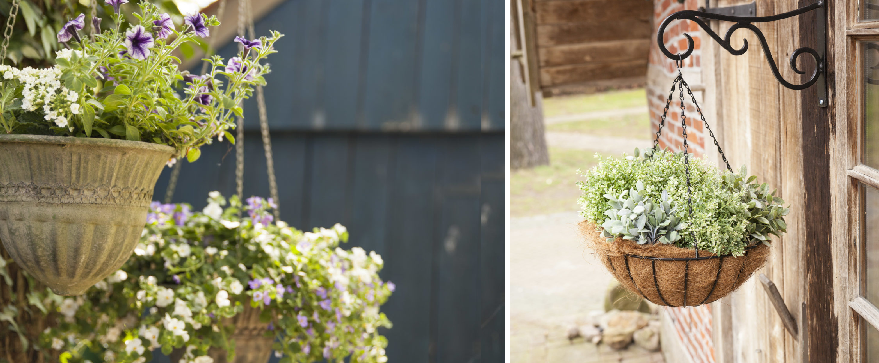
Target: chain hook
[[680, 61]]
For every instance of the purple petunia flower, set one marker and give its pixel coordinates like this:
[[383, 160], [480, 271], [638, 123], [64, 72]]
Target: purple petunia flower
[[96, 24], [369, 296], [196, 22], [322, 292], [391, 286], [211, 315], [303, 321], [248, 43], [70, 29], [257, 296], [203, 98], [326, 304], [268, 280], [331, 326], [182, 216], [254, 284], [138, 42], [236, 66], [271, 326], [289, 289], [163, 27], [316, 317], [279, 289], [306, 349], [176, 279], [327, 351], [338, 315], [296, 279], [116, 4], [267, 298], [310, 332]]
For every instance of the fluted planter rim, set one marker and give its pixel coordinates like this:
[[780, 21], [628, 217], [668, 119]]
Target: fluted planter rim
[[67, 140]]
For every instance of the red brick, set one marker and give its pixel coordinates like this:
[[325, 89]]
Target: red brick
[[697, 42]]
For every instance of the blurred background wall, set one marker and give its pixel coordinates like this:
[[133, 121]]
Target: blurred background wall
[[388, 116]]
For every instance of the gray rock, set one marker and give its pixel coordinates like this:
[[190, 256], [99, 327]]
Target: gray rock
[[647, 338], [573, 333], [618, 298], [588, 332], [620, 326]]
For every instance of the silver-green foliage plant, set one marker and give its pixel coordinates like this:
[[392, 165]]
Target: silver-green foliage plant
[[765, 208], [637, 218], [717, 215]]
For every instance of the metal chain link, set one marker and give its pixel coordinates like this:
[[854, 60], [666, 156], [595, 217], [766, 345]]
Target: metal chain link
[[264, 128], [10, 22], [665, 112], [698, 109]]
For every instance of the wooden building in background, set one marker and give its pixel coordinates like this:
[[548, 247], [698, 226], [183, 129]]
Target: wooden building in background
[[387, 116]]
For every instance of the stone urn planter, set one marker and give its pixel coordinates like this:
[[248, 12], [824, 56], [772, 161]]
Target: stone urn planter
[[251, 344], [72, 209]]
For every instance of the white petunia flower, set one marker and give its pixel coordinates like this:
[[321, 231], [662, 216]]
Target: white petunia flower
[[176, 326], [223, 298], [213, 210], [236, 287], [164, 297], [134, 345], [210, 250], [214, 194], [68, 307], [57, 344], [74, 108], [203, 359], [231, 224], [180, 309]]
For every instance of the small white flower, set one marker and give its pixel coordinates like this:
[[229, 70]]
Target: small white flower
[[214, 194], [68, 307], [200, 301], [118, 276], [61, 121], [151, 280], [236, 287], [113, 334], [180, 309], [213, 210], [134, 345], [223, 298], [176, 326], [287, 269], [376, 258], [203, 359], [57, 344], [8, 75], [74, 108], [231, 224], [210, 251], [164, 297], [109, 356]]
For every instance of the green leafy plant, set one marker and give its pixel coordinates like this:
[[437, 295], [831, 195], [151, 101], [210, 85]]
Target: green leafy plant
[[125, 84], [728, 212], [637, 218], [191, 269]]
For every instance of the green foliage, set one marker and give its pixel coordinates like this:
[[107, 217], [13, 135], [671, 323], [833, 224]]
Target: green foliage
[[639, 219], [104, 87], [189, 270], [33, 42], [727, 213]]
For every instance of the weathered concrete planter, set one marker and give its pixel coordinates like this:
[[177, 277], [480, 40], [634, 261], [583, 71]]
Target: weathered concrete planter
[[72, 209]]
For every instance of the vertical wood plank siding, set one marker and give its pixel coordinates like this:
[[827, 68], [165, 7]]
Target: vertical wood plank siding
[[388, 116]]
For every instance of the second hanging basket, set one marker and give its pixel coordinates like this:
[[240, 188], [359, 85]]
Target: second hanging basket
[[672, 276]]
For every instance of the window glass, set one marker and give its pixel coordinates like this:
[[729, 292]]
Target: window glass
[[870, 51], [869, 10], [871, 269]]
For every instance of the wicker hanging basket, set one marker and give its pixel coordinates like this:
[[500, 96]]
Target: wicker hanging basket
[[72, 209], [251, 343], [672, 276]]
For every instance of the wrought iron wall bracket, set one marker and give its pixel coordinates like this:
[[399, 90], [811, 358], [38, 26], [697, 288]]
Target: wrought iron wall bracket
[[747, 22]]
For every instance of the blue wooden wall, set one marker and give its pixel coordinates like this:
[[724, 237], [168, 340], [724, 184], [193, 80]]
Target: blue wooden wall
[[388, 116]]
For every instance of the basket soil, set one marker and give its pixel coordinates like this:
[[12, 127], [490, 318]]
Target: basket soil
[[72, 209], [672, 276]]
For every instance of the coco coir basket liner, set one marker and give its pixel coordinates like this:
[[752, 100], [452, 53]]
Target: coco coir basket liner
[[673, 276]]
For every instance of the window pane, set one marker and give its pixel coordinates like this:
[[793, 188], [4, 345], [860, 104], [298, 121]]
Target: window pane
[[869, 10], [870, 58], [870, 286]]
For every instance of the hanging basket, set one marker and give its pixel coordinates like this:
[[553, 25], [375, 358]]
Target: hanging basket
[[672, 276], [72, 209], [251, 343]]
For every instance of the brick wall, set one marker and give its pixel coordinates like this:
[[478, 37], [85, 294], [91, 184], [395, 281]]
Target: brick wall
[[662, 71], [693, 324]]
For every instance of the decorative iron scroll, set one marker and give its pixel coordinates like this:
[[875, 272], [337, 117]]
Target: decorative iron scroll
[[747, 22]]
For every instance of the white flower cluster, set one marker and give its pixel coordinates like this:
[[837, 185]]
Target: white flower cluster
[[43, 90]]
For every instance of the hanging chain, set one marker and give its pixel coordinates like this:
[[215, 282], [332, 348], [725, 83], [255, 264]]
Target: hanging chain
[[264, 128], [10, 22], [686, 148], [665, 112], [175, 173], [719, 149], [239, 143], [94, 14]]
